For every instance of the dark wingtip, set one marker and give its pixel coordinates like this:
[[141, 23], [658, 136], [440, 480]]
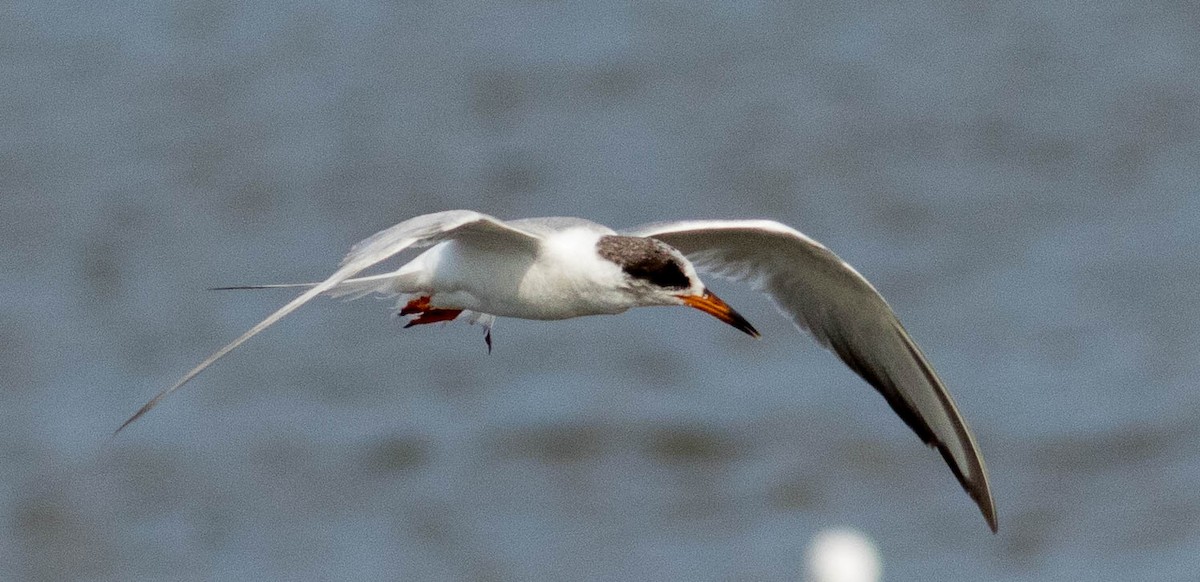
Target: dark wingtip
[[972, 477], [976, 487], [983, 498]]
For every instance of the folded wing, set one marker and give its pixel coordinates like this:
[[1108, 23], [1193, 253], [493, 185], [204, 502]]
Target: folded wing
[[418, 232], [828, 298]]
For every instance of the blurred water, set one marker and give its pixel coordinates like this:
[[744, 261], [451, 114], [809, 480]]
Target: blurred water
[[1019, 179]]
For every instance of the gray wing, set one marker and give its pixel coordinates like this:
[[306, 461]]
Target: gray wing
[[827, 297], [418, 232]]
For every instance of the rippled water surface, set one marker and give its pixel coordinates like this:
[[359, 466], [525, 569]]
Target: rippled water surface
[[1019, 179]]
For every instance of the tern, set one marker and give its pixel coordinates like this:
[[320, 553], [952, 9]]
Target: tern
[[477, 268]]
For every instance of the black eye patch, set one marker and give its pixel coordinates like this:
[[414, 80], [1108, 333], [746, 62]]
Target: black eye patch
[[645, 259]]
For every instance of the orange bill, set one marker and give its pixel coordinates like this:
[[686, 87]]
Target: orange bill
[[714, 306]]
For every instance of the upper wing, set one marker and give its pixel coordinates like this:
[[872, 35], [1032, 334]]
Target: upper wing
[[827, 297], [421, 231]]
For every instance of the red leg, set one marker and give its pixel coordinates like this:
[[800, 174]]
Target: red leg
[[434, 316], [416, 305], [425, 313]]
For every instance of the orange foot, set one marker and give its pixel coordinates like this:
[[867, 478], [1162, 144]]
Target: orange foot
[[425, 313]]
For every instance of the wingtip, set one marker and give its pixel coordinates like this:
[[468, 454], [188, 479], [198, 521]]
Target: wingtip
[[988, 507], [980, 492], [979, 488]]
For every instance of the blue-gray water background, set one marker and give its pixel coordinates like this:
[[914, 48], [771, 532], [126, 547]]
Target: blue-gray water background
[[1019, 179]]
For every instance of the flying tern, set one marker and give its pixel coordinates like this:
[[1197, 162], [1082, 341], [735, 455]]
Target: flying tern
[[477, 268]]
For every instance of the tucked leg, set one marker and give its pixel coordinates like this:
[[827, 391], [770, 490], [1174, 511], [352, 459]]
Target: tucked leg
[[426, 314]]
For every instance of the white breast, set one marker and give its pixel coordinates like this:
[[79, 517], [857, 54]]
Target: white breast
[[565, 279]]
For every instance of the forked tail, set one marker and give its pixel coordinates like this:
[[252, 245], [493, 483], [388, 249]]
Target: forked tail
[[387, 284], [390, 285]]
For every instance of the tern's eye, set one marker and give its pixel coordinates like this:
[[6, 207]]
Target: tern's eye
[[645, 259], [663, 273]]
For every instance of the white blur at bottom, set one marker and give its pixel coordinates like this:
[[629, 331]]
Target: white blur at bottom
[[843, 555]]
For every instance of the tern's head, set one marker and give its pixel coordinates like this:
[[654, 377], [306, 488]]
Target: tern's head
[[658, 274]]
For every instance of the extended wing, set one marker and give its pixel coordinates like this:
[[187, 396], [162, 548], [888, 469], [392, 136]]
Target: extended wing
[[828, 298], [418, 232]]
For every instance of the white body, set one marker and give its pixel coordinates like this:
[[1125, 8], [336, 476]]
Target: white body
[[565, 279]]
